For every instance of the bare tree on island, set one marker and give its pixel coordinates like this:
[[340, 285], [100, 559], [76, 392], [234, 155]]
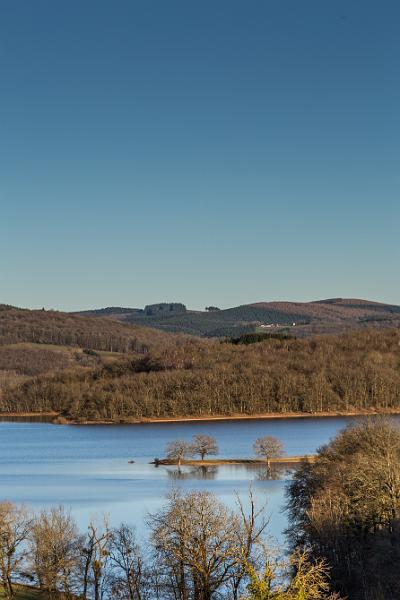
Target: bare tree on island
[[268, 447], [204, 445], [178, 450]]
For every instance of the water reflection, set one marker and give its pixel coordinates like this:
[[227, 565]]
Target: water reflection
[[274, 472], [86, 467], [200, 472], [256, 472], [27, 419]]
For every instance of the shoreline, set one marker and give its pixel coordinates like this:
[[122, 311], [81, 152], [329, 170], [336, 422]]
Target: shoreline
[[29, 414], [262, 416], [58, 419]]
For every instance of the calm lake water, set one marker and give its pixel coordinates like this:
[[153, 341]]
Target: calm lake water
[[86, 467]]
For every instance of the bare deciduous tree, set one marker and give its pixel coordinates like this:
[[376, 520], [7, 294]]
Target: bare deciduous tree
[[15, 525], [54, 552], [250, 535], [268, 447], [95, 553], [129, 574], [196, 540], [202, 551], [178, 450], [204, 445]]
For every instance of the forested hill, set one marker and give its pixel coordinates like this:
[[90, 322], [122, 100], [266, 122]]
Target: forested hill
[[35, 342], [58, 328], [300, 319], [97, 368], [353, 372]]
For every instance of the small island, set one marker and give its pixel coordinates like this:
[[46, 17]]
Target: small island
[[269, 451], [214, 462]]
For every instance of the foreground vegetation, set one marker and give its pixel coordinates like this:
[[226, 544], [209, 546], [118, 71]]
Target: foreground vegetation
[[344, 516], [345, 509], [23, 593], [198, 549], [349, 373]]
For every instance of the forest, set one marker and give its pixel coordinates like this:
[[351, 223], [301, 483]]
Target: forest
[[353, 372], [344, 508]]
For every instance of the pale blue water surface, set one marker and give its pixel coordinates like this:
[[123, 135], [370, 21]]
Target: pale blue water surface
[[86, 468]]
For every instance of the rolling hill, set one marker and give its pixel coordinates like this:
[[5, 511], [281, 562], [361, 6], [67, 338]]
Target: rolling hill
[[88, 367], [300, 319], [59, 328], [35, 342]]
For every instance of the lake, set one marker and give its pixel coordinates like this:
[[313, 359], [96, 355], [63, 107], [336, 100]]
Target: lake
[[85, 467]]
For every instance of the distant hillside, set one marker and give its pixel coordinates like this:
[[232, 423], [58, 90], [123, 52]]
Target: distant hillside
[[218, 323], [58, 328], [336, 315], [35, 342]]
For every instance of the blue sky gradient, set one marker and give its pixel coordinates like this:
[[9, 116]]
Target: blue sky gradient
[[213, 152]]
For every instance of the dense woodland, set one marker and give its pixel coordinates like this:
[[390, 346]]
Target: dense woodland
[[359, 371], [344, 509]]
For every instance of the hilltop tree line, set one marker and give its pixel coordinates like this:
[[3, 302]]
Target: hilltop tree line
[[213, 322], [198, 549], [358, 371], [162, 308]]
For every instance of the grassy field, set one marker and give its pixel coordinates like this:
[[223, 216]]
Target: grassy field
[[70, 351], [24, 593]]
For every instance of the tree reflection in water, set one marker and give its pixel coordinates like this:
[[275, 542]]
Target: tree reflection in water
[[201, 472], [274, 472]]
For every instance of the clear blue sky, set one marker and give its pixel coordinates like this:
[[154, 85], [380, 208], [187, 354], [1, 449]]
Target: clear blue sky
[[209, 152]]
